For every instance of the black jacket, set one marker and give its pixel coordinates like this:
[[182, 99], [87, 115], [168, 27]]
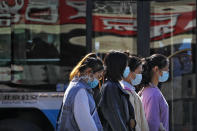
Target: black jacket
[[115, 110]]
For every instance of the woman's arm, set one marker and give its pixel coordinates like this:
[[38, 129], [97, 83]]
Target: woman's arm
[[164, 113], [82, 112], [161, 128], [152, 111]]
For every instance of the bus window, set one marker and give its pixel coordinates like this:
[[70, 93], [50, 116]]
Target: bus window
[[5, 48], [40, 42], [115, 26], [173, 34]]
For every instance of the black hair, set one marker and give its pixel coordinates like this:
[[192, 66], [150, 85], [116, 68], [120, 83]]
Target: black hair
[[95, 64], [134, 62], [115, 63], [150, 62]]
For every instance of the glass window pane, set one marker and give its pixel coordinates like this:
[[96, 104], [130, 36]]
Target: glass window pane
[[115, 26], [41, 41], [36, 47], [5, 48], [173, 34]]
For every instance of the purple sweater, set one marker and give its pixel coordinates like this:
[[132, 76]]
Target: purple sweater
[[156, 108]]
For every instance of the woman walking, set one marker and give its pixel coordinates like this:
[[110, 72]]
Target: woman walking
[[156, 69], [115, 108], [79, 112], [132, 79]]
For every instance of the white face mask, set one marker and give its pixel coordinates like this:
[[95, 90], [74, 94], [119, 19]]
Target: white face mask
[[137, 79]]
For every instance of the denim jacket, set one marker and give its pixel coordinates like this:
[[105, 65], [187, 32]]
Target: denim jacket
[[67, 121]]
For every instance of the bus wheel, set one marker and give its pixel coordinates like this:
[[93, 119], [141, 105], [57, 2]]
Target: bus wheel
[[17, 125]]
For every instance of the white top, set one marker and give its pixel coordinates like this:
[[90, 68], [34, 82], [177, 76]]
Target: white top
[[126, 84], [134, 98], [82, 112]]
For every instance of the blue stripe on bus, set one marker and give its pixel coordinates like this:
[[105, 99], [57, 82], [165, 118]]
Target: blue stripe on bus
[[52, 116]]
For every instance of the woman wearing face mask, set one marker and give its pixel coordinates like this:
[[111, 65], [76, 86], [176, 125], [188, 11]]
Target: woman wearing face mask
[[79, 111], [115, 109], [75, 72], [133, 77], [155, 70]]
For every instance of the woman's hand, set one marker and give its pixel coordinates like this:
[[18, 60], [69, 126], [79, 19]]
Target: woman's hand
[[132, 123], [161, 128]]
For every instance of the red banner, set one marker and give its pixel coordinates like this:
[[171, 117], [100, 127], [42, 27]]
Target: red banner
[[161, 25], [62, 12]]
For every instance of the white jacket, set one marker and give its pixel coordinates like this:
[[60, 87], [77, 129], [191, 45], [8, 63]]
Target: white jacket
[[142, 124]]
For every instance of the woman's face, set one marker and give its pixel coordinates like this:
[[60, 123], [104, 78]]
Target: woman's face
[[138, 70], [166, 68], [98, 75], [157, 72]]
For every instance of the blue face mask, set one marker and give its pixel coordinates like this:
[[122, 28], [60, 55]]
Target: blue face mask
[[126, 72], [164, 77], [137, 79], [93, 83]]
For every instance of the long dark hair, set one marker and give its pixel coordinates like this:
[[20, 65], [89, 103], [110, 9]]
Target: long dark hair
[[115, 63], [149, 63]]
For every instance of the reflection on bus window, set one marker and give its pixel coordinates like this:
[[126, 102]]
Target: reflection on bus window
[[115, 26], [172, 33], [39, 48], [41, 41]]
